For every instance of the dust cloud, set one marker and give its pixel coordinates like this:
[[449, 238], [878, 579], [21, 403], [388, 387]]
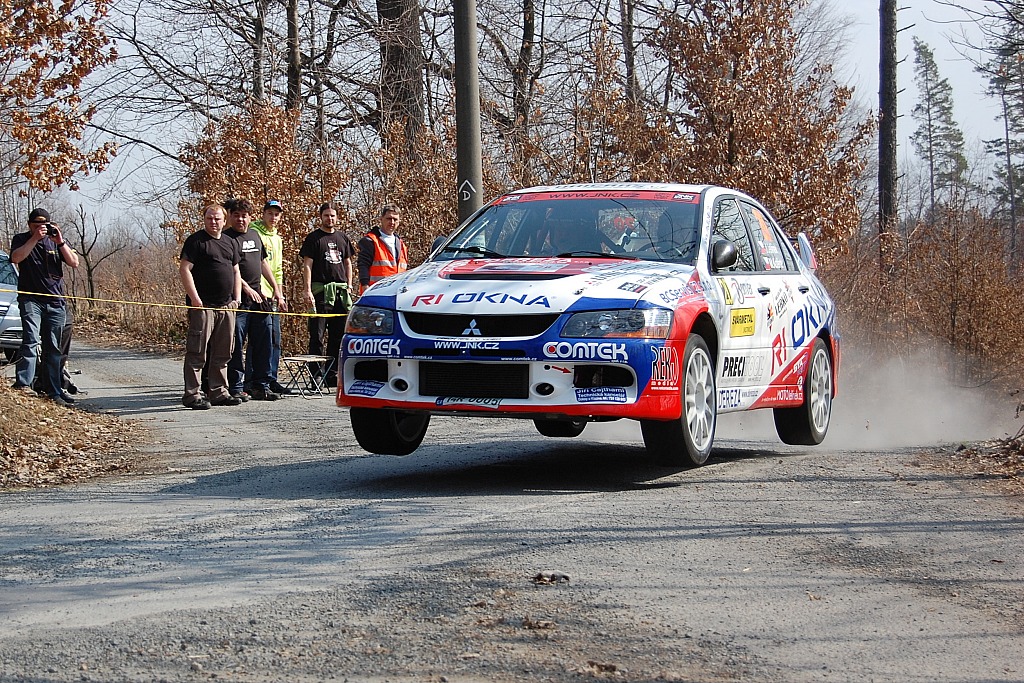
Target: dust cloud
[[914, 402], [896, 404]]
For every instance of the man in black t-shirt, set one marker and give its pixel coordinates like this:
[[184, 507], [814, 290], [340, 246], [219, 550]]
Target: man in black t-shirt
[[213, 287], [252, 322], [328, 275], [41, 253]]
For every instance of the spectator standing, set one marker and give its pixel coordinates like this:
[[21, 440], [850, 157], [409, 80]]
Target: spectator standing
[[272, 242], [382, 252], [327, 273], [252, 321], [213, 287], [41, 253]]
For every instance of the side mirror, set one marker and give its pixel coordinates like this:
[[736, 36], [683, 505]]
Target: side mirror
[[723, 255], [806, 252], [436, 244]]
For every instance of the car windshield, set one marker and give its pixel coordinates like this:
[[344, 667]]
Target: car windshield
[[546, 224], [8, 275]]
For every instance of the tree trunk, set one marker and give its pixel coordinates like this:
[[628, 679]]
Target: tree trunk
[[629, 50], [401, 58], [294, 97], [887, 217]]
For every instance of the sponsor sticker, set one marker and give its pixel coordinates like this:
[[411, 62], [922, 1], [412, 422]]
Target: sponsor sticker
[[492, 403], [465, 344], [364, 387], [664, 368], [373, 346], [601, 395], [729, 398], [586, 351], [742, 322]]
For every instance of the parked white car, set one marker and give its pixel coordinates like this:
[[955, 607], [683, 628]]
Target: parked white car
[[10, 314]]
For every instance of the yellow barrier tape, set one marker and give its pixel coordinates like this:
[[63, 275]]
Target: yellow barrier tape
[[185, 306]]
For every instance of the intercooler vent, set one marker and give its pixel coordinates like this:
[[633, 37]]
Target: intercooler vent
[[373, 370], [475, 380]]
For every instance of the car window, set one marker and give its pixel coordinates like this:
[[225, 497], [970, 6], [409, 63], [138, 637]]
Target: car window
[[8, 275], [766, 241], [641, 227], [727, 224]]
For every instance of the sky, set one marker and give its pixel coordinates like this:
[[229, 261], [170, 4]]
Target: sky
[[940, 27]]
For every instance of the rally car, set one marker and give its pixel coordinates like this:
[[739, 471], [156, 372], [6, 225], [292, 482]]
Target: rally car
[[662, 303]]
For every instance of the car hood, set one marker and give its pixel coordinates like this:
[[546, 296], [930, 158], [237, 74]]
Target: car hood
[[532, 286]]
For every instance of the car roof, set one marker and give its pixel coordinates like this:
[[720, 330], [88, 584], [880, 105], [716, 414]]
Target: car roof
[[597, 187]]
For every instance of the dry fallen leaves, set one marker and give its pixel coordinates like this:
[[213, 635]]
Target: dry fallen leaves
[[44, 444]]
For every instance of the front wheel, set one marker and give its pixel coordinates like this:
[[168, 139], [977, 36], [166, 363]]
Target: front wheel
[[806, 425], [687, 441], [388, 432], [560, 428]]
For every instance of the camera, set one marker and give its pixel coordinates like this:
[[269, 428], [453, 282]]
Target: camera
[[51, 230]]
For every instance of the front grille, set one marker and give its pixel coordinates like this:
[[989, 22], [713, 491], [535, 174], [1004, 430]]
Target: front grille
[[474, 380], [451, 325]]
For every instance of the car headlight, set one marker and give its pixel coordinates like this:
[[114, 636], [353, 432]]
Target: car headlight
[[648, 323], [370, 321]]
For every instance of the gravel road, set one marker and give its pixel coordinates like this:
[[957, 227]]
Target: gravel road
[[259, 543]]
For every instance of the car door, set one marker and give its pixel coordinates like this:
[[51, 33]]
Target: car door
[[745, 343], [785, 293]]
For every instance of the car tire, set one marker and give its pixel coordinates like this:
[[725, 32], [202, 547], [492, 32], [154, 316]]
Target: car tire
[[9, 354], [687, 441], [806, 425], [560, 428], [389, 432]]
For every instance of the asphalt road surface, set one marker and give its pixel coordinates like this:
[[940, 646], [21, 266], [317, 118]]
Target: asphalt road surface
[[259, 543]]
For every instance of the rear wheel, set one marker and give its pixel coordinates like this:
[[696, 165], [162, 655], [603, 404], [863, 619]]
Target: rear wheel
[[687, 441], [806, 425], [560, 428], [388, 432]]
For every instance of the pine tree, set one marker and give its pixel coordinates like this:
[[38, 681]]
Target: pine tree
[[938, 139]]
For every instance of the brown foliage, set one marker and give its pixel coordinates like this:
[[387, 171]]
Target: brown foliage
[[752, 124], [257, 155], [45, 53], [418, 175], [945, 288]]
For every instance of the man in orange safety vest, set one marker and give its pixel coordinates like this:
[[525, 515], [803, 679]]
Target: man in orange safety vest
[[382, 252]]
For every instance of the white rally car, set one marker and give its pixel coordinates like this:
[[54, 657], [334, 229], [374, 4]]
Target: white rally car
[[662, 303]]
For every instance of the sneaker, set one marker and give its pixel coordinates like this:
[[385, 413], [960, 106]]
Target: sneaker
[[199, 404], [227, 401], [279, 388], [241, 396], [63, 400], [260, 394]]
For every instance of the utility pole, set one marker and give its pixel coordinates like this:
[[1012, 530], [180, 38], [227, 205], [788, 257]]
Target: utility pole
[[469, 168], [887, 218]]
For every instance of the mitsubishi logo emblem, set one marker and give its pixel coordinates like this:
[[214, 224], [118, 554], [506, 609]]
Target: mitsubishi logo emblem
[[471, 330]]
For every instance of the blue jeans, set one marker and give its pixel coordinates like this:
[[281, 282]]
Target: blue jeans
[[275, 354], [40, 323], [256, 326]]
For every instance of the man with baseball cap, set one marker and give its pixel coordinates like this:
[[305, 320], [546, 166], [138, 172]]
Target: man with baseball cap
[[41, 253]]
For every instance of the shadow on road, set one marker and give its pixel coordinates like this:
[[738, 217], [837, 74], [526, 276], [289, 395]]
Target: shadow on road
[[483, 468]]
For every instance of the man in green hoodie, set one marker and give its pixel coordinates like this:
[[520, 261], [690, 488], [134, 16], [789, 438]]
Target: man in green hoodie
[[272, 242]]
